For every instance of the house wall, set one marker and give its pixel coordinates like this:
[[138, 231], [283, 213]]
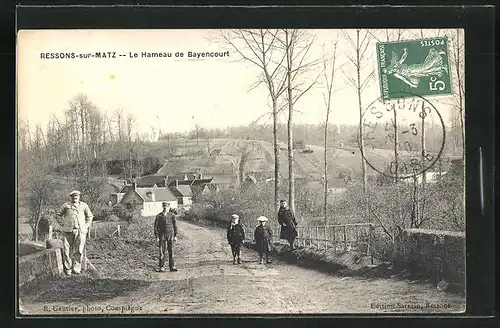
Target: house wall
[[153, 208], [187, 201]]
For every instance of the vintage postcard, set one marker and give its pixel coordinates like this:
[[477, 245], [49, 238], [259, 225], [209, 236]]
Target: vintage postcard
[[247, 171]]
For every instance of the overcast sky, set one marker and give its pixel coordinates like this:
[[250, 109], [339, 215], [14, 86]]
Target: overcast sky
[[212, 92]]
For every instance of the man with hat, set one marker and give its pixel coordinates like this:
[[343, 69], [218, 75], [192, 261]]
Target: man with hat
[[76, 219], [263, 236], [165, 229], [286, 219], [235, 237]]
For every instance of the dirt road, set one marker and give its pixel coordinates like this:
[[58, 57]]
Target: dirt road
[[208, 282]]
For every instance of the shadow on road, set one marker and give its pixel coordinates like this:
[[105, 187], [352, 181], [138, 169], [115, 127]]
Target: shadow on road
[[81, 288]]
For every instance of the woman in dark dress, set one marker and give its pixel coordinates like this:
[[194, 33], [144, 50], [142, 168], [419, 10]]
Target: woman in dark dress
[[286, 219]]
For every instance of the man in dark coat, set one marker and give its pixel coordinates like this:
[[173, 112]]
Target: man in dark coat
[[235, 237], [263, 236], [286, 219], [165, 229]]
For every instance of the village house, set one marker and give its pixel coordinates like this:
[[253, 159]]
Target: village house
[[148, 199], [185, 187]]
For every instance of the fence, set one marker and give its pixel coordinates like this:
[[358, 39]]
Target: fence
[[355, 237], [99, 230]]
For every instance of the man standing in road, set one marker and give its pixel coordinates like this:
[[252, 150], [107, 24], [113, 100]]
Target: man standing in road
[[76, 220], [165, 229], [286, 219]]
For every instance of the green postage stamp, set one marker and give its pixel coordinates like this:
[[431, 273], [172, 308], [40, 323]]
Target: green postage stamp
[[414, 66]]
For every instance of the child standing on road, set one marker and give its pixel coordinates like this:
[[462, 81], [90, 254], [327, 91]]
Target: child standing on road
[[235, 237], [263, 236]]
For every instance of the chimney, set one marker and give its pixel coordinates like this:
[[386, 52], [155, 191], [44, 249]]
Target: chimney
[[176, 183], [165, 180], [152, 196], [201, 175], [134, 185], [194, 176], [124, 182]]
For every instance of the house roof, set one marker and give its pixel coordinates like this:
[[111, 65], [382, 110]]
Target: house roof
[[251, 178], [125, 189], [160, 194], [151, 180], [182, 191]]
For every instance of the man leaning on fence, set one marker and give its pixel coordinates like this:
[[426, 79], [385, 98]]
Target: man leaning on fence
[[165, 229], [76, 220]]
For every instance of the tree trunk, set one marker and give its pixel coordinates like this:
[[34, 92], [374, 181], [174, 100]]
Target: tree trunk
[[291, 177], [396, 142], [37, 218], [276, 156], [326, 168], [458, 67], [422, 192], [361, 142]]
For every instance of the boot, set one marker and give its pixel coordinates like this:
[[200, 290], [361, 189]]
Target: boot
[[234, 261], [239, 260]]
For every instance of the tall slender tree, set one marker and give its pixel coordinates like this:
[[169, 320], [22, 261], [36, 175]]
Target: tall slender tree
[[363, 75], [296, 44], [329, 69], [260, 47]]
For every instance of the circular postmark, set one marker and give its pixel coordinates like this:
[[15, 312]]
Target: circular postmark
[[402, 137]]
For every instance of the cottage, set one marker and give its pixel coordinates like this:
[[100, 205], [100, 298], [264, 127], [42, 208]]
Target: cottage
[[148, 199], [183, 193]]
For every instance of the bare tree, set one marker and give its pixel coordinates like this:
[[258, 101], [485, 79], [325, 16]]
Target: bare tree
[[296, 44], [457, 60], [259, 47], [198, 130], [328, 65], [358, 58], [119, 123]]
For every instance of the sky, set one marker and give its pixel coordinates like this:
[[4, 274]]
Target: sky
[[181, 92]]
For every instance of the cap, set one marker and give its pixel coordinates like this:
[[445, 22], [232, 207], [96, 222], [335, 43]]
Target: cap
[[262, 218], [165, 204], [74, 192], [283, 201], [235, 216]]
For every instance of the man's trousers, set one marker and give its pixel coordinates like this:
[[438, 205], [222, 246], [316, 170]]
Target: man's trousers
[[166, 245], [73, 246]]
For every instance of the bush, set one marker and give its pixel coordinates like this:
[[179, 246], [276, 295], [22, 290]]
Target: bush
[[140, 228], [125, 213]]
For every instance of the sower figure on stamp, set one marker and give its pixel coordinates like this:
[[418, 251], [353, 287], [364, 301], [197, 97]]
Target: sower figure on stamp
[[165, 229], [263, 236], [286, 219], [235, 237], [76, 220]]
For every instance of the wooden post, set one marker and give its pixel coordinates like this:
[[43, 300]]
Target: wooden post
[[51, 229], [357, 237], [317, 237], [326, 240], [118, 230], [369, 249], [333, 240], [345, 240]]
